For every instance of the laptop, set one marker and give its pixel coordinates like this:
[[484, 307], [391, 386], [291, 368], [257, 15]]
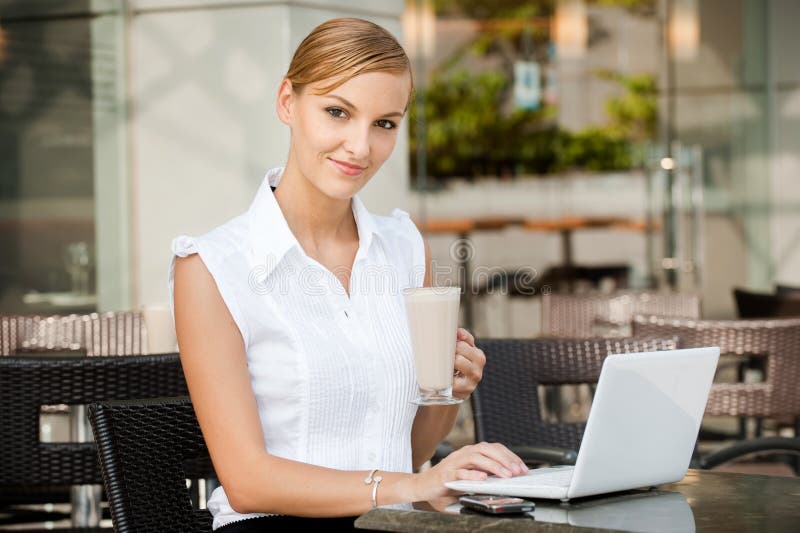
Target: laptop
[[641, 431]]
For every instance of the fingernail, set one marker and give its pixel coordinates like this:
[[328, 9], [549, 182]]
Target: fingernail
[[505, 472]]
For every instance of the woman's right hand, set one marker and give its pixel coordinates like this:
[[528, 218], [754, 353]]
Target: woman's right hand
[[472, 462]]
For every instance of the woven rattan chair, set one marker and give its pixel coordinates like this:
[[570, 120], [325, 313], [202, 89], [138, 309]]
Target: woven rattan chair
[[110, 333], [506, 405], [148, 449], [30, 469], [776, 342], [577, 316]]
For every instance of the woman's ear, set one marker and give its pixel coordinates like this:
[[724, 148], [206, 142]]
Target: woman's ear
[[284, 105]]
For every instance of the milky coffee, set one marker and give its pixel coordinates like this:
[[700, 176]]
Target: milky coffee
[[433, 322]]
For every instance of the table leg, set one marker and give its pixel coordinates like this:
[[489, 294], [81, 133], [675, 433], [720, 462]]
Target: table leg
[[566, 258], [464, 254], [85, 498]]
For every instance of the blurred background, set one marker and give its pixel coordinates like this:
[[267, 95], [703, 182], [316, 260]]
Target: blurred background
[[551, 146]]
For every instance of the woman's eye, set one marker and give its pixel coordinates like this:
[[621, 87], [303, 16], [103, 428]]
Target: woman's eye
[[335, 112], [386, 124]]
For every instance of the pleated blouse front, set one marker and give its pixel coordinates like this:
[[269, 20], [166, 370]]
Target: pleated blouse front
[[332, 373]]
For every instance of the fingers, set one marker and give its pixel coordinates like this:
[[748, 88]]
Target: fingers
[[492, 458], [511, 460], [466, 369], [474, 462], [472, 475], [465, 335], [475, 355]]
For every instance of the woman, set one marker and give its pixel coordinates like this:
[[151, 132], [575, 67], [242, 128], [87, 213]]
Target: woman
[[290, 317]]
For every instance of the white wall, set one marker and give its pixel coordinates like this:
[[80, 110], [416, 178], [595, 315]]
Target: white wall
[[202, 82]]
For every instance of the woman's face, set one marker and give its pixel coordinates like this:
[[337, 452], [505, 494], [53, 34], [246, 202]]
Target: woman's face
[[341, 138]]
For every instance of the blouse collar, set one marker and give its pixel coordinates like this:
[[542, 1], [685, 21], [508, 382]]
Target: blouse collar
[[270, 236]]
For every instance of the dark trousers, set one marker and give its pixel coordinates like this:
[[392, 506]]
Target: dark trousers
[[287, 523]]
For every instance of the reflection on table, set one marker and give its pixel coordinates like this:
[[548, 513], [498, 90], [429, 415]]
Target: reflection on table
[[702, 501]]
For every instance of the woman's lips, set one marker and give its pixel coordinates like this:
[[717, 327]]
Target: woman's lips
[[346, 168]]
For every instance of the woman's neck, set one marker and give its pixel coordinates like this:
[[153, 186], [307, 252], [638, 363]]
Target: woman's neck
[[316, 220]]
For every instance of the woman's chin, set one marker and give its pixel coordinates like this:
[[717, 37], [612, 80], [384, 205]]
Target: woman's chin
[[344, 187]]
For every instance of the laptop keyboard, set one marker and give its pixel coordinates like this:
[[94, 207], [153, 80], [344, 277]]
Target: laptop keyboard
[[554, 476]]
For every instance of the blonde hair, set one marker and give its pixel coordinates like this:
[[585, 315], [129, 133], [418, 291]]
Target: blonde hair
[[340, 49]]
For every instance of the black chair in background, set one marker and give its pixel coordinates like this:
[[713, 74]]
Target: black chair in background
[[568, 278], [523, 282], [148, 449], [751, 304], [506, 405], [28, 465], [787, 290]]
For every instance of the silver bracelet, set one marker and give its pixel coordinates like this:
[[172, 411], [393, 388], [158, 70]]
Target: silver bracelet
[[375, 481]]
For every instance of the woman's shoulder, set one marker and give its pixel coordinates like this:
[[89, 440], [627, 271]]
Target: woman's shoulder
[[405, 241], [223, 241], [398, 223]]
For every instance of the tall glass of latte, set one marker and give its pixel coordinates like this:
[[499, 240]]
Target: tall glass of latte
[[433, 324]]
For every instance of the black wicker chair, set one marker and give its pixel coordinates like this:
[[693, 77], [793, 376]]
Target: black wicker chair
[[148, 449], [506, 406], [27, 383]]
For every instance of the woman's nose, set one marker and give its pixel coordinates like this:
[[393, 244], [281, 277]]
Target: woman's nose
[[357, 143]]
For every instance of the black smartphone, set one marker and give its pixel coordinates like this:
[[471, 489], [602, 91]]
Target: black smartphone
[[487, 503]]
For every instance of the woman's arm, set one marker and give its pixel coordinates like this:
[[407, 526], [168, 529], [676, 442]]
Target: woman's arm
[[433, 423], [213, 357]]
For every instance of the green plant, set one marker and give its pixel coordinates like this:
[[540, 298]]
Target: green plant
[[468, 134], [596, 150], [471, 130], [633, 114]]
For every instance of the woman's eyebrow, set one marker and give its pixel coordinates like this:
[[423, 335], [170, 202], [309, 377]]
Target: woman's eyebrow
[[354, 108]]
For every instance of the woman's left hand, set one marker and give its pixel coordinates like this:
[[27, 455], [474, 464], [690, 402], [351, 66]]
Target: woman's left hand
[[469, 364]]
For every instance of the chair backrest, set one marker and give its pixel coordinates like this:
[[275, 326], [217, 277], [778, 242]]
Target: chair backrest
[[777, 340], [506, 406], [148, 449], [95, 334], [786, 290], [593, 275], [27, 383], [750, 304], [576, 316]]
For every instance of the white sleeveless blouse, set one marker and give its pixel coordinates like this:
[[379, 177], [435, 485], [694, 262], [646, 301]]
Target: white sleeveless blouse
[[333, 375]]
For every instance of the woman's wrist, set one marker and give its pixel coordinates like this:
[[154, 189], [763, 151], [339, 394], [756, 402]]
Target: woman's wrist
[[400, 489]]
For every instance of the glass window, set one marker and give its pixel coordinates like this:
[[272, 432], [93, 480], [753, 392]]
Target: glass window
[[58, 79]]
